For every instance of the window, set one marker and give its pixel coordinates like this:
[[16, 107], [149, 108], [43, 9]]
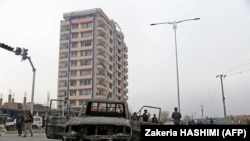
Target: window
[[64, 37], [85, 72], [74, 26], [85, 92], [110, 85], [73, 63], [85, 62], [73, 73], [72, 92], [72, 102], [119, 82], [63, 84], [85, 82], [110, 67], [119, 43], [86, 34], [86, 43], [65, 28], [109, 76], [74, 45], [72, 82], [74, 35], [73, 54], [110, 58], [62, 74], [64, 46], [110, 32], [62, 94], [87, 25], [81, 102], [63, 65], [86, 53], [119, 59]]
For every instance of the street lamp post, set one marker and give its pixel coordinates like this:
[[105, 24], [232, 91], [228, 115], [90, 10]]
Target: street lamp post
[[176, 56]]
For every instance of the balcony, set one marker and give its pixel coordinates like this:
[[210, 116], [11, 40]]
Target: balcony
[[125, 97], [125, 83], [85, 67], [125, 90], [125, 62], [118, 86], [101, 28], [101, 56], [101, 76], [119, 70], [64, 30], [101, 93], [101, 96], [101, 66], [125, 48], [125, 56], [119, 54], [85, 76], [125, 70], [101, 23], [101, 47], [101, 86]]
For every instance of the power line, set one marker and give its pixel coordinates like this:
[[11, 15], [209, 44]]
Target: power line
[[247, 62], [238, 72], [210, 95]]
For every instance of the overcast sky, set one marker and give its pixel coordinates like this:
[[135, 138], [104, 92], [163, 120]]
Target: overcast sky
[[218, 43]]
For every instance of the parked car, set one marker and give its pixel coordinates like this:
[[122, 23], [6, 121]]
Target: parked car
[[37, 122], [10, 124]]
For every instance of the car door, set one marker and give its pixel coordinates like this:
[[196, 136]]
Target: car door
[[56, 120]]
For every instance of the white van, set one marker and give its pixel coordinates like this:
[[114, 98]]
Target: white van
[[37, 122]]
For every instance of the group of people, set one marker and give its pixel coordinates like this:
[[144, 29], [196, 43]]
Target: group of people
[[24, 121], [176, 116], [145, 117]]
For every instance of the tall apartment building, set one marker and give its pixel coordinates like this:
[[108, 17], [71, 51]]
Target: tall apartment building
[[92, 58]]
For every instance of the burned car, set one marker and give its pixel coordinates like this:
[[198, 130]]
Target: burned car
[[57, 119], [98, 119]]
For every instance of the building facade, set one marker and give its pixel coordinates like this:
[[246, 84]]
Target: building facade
[[92, 58]]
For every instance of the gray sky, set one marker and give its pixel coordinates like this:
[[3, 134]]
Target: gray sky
[[216, 44]]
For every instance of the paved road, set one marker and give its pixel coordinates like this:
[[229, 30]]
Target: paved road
[[14, 137]]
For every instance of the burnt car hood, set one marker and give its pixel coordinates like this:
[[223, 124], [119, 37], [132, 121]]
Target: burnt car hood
[[99, 120]]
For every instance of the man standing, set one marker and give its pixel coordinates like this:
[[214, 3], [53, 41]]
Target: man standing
[[145, 116], [19, 123], [154, 119], [176, 116], [28, 123]]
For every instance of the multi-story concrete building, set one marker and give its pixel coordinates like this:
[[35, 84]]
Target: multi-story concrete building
[[92, 58]]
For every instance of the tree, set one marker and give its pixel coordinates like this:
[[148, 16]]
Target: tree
[[186, 119], [165, 116]]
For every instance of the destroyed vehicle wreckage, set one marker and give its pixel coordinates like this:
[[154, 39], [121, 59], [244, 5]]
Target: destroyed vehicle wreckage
[[97, 120]]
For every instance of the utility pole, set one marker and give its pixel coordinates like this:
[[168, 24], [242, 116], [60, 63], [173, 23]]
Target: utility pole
[[222, 89], [48, 98], [202, 111]]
